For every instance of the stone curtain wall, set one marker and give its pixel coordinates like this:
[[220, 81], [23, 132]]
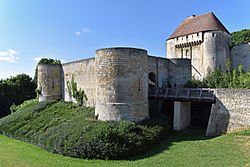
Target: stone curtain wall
[[84, 76], [240, 55], [179, 72], [231, 111], [159, 66], [174, 71]]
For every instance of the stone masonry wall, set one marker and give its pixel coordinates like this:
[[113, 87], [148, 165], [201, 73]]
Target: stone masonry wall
[[231, 111], [174, 71], [240, 55], [205, 49], [215, 50], [122, 84], [85, 77], [49, 81], [159, 66], [179, 72], [115, 81]]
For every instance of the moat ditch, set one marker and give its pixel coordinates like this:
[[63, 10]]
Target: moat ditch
[[200, 112]]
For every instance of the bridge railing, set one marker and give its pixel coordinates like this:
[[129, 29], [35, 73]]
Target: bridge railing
[[182, 93]]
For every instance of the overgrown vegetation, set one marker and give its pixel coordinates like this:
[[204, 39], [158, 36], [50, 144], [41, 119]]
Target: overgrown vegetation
[[79, 95], [71, 130], [14, 91], [240, 37], [221, 79]]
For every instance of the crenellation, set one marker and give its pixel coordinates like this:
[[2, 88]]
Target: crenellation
[[188, 40]]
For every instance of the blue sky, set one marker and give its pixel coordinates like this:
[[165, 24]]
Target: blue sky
[[71, 30]]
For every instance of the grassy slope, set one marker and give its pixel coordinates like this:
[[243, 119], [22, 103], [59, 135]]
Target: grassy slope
[[180, 149], [71, 130]]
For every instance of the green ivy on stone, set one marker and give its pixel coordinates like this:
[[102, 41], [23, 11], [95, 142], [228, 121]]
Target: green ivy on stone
[[79, 95]]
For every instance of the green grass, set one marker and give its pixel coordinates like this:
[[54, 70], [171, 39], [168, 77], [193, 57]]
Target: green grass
[[188, 148], [71, 130]]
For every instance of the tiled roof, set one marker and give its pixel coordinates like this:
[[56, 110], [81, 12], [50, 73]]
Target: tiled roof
[[205, 22]]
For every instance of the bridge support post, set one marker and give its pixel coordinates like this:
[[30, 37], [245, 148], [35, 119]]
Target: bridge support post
[[182, 115]]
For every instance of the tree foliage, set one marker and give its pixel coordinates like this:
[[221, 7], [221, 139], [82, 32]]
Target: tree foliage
[[223, 79], [15, 90], [240, 37]]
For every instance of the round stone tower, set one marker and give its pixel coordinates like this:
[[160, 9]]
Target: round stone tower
[[49, 81], [215, 50], [122, 84]]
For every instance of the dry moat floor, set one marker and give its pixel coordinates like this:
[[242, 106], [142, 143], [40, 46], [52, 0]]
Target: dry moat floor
[[189, 148]]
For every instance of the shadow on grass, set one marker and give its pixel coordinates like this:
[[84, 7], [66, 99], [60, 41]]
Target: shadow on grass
[[175, 136]]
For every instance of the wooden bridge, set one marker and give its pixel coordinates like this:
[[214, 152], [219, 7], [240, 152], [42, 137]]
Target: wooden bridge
[[182, 94]]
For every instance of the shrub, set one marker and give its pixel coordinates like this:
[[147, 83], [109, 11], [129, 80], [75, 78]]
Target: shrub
[[223, 79], [71, 130]]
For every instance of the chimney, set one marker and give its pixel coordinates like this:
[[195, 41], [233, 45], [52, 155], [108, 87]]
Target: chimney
[[191, 16]]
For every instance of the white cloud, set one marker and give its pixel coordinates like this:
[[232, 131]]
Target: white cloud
[[78, 33], [37, 59], [86, 30], [9, 56]]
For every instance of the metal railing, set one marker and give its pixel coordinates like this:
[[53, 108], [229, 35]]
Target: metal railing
[[182, 93]]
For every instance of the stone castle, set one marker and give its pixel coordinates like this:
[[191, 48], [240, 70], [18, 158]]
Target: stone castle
[[206, 42], [116, 80]]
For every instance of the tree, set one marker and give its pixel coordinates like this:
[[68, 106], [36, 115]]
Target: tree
[[240, 37], [15, 90]]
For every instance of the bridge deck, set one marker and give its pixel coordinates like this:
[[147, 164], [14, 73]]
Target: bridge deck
[[182, 94]]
